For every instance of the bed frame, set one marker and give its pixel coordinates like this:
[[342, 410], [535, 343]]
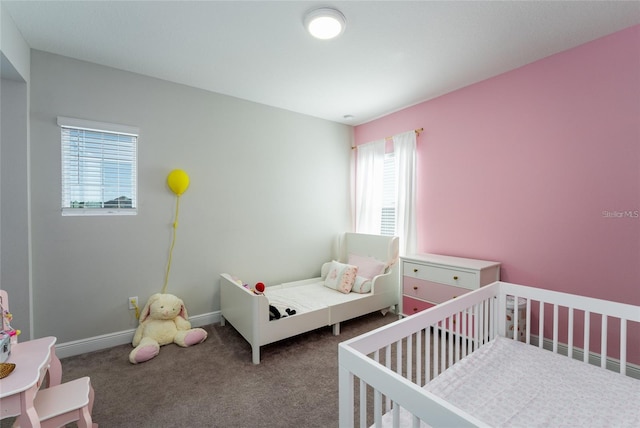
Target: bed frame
[[394, 361], [248, 313]]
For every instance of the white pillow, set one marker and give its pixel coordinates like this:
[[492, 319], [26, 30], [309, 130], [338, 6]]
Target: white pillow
[[324, 270], [341, 277], [368, 267], [361, 285]]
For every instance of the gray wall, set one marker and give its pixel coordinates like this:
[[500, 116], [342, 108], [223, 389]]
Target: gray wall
[[14, 172], [269, 191], [14, 217]]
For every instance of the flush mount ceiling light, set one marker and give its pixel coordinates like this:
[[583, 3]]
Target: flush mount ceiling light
[[325, 23]]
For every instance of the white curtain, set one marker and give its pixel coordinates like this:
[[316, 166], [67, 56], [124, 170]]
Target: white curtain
[[369, 182], [404, 147]]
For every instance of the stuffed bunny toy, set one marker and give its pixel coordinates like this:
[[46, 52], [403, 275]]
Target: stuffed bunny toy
[[163, 320]]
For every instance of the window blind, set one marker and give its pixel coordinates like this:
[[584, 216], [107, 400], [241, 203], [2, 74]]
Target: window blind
[[99, 168], [388, 222]]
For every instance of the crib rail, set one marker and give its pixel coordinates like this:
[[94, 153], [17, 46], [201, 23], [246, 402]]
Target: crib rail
[[568, 324], [385, 369], [391, 364]]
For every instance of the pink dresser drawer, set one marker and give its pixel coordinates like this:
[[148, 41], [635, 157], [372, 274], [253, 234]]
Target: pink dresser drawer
[[412, 306], [431, 291]]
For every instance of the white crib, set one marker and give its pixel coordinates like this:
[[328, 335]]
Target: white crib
[[421, 371]]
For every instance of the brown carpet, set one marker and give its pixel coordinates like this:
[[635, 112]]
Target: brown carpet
[[214, 384]]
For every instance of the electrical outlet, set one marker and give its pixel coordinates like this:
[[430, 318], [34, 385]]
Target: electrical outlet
[[133, 302]]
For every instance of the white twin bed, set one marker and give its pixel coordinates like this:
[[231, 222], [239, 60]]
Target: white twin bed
[[453, 365], [318, 302]]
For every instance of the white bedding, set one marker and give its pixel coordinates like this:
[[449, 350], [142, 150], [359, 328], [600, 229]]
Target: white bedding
[[507, 383], [307, 298]]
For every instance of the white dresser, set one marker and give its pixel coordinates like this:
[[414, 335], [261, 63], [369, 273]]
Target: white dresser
[[430, 279]]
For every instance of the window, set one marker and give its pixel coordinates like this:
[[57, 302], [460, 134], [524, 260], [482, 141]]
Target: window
[[388, 222], [99, 168]]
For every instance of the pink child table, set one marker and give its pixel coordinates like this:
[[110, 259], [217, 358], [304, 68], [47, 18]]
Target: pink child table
[[35, 360]]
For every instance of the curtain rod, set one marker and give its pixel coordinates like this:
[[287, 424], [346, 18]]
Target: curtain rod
[[417, 131]]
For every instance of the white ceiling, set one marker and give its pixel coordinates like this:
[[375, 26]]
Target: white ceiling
[[393, 54]]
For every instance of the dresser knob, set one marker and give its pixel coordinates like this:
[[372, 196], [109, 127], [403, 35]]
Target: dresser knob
[[415, 309], [415, 287], [455, 278], [415, 270]]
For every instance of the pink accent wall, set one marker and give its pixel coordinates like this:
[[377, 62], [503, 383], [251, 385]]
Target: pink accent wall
[[532, 167]]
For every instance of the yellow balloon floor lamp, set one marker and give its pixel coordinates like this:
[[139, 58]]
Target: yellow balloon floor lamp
[[178, 182]]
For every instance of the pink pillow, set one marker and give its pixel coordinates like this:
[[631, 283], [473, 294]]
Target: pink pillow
[[368, 267]]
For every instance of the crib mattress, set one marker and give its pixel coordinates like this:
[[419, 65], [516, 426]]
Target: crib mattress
[[510, 384], [308, 297]]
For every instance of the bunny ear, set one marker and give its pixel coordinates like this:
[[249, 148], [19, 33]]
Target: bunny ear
[[147, 308], [183, 311]]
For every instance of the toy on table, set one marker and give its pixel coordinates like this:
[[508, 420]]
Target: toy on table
[[5, 346], [6, 369], [8, 337], [6, 325]]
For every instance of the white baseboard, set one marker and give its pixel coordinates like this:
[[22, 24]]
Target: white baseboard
[[97, 343], [633, 370]]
